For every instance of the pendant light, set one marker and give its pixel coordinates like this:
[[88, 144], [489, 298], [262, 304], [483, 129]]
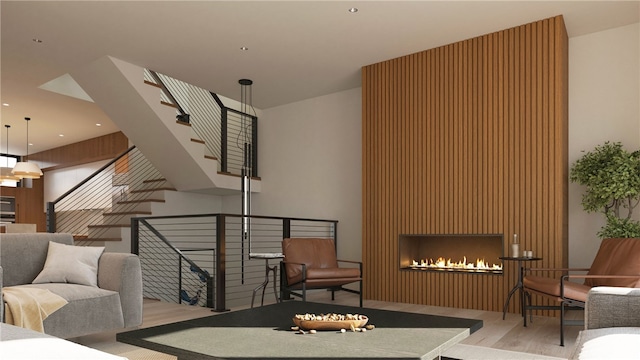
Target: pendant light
[[245, 145], [6, 177], [24, 169]]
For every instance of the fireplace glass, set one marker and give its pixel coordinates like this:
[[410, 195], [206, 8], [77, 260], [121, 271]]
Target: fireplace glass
[[477, 253]]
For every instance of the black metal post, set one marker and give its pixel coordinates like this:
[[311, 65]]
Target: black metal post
[[220, 264], [286, 228], [51, 217], [223, 139], [135, 228]]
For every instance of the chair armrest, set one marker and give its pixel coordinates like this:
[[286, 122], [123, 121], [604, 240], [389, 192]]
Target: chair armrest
[[122, 273], [359, 263], [302, 266], [612, 307]]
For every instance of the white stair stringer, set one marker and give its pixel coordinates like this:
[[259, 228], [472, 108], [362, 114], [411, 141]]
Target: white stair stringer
[[119, 89]]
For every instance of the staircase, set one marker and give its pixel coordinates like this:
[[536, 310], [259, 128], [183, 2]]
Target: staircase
[[135, 107], [134, 203]]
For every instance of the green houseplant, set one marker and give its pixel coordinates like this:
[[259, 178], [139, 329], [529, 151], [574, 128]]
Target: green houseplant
[[611, 175]]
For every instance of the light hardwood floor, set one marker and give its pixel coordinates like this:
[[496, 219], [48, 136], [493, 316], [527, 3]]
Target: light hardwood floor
[[541, 337]]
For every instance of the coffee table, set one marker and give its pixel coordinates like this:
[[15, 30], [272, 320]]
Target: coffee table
[[265, 333]]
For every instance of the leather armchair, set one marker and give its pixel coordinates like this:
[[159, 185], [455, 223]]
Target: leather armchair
[[311, 263], [615, 265]]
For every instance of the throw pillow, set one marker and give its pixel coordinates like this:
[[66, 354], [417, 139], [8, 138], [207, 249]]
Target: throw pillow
[[70, 264]]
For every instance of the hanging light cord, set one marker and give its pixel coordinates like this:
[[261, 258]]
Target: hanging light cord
[[27, 156]]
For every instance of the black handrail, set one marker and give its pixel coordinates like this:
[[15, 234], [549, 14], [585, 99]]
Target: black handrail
[[51, 205]]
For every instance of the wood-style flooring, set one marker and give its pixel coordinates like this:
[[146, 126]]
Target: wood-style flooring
[[541, 337]]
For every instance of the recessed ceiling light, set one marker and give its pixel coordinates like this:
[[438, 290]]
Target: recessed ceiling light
[[98, 124], [5, 104], [244, 48], [30, 144], [61, 135], [353, 10], [36, 40]]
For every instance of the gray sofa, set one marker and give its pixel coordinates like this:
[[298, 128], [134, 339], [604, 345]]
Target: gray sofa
[[612, 325], [114, 304]]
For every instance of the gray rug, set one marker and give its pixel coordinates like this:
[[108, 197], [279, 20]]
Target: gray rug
[[265, 333]]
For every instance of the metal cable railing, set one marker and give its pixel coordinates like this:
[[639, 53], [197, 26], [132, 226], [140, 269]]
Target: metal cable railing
[[99, 206], [213, 243], [219, 126]]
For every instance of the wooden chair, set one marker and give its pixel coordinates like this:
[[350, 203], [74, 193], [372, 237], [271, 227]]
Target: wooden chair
[[311, 263], [617, 264]]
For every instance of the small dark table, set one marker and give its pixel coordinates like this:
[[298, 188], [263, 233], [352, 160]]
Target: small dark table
[[518, 286], [265, 333]]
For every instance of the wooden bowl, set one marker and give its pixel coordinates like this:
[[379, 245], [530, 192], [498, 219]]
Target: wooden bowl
[[329, 325]]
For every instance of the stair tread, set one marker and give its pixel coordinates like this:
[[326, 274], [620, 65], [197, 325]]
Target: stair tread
[[108, 225], [236, 175], [168, 104], [127, 213], [153, 180], [152, 83], [152, 190], [197, 141], [139, 201]]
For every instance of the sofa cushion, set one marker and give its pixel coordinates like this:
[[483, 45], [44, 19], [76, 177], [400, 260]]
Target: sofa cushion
[[607, 343], [23, 255], [70, 264], [90, 309]]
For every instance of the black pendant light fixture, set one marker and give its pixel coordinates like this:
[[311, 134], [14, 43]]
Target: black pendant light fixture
[[25, 169]]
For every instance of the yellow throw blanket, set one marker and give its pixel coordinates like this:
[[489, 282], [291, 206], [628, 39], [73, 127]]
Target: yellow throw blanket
[[28, 307]]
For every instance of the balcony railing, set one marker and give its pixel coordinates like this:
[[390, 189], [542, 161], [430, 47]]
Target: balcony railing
[[204, 259]]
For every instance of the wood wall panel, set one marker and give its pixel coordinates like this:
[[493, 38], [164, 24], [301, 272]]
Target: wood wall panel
[[83, 152], [467, 138]]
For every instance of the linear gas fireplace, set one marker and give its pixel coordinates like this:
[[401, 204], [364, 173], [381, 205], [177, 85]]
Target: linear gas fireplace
[[477, 253]]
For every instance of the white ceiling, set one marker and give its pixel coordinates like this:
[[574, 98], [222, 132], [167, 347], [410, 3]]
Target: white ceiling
[[297, 49]]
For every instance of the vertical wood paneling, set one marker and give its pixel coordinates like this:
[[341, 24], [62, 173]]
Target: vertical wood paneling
[[466, 138]]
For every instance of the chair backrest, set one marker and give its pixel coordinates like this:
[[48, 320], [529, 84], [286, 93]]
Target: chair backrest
[[22, 256], [313, 252], [616, 257]]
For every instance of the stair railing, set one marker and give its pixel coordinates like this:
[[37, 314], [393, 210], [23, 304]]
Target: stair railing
[[213, 242], [87, 209], [213, 122]]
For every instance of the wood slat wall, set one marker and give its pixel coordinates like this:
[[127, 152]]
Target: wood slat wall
[[468, 138]]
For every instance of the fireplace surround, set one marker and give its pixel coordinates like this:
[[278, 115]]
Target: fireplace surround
[[466, 253]]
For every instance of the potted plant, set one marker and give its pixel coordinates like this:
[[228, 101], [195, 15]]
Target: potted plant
[[611, 175]]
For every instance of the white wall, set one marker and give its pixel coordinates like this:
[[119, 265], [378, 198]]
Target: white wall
[[57, 182], [310, 163], [604, 105]]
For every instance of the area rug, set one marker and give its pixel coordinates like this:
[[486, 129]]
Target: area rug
[[265, 333]]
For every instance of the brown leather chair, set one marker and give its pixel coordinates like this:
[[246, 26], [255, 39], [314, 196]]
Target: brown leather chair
[[616, 264], [311, 263]]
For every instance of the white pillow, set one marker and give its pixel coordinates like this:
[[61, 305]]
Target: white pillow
[[70, 264]]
